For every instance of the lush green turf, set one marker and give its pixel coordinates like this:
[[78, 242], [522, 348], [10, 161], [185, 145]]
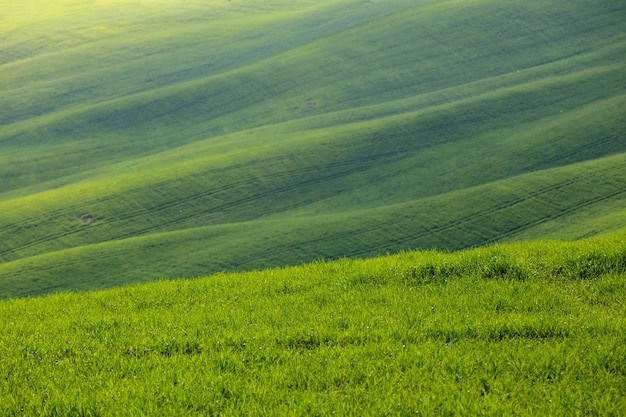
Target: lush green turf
[[522, 329], [142, 139]]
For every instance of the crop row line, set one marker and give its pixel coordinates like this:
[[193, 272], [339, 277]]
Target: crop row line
[[258, 196], [561, 214], [352, 234], [194, 197], [490, 210]]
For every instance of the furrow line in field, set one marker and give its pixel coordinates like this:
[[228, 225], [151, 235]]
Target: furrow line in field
[[215, 172], [112, 197], [69, 210], [251, 198], [197, 196], [242, 183], [559, 215], [376, 226], [237, 184], [352, 233], [344, 236], [100, 200], [586, 147], [488, 211], [525, 226], [237, 202], [63, 263]]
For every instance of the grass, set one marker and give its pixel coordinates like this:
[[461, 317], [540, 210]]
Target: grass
[[524, 329], [153, 139], [565, 195]]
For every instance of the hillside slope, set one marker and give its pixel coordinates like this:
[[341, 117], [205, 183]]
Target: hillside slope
[[143, 139], [525, 329]]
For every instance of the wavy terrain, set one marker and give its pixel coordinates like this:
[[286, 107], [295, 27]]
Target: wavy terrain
[[143, 139]]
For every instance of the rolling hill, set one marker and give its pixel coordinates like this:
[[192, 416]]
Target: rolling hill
[[143, 139]]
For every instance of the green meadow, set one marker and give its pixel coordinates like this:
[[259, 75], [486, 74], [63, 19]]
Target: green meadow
[[297, 207], [509, 329], [150, 139]]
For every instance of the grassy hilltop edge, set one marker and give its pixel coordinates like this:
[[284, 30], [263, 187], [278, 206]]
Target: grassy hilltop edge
[[525, 329]]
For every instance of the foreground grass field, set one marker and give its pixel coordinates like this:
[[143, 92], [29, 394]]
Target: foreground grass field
[[143, 139], [522, 329]]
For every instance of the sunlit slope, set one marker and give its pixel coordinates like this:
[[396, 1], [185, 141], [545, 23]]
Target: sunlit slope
[[524, 329], [142, 139]]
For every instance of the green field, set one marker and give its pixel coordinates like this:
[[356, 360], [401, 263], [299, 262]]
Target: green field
[[211, 207], [518, 329], [150, 139]]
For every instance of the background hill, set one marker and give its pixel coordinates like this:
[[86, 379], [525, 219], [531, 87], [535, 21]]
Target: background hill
[[142, 139]]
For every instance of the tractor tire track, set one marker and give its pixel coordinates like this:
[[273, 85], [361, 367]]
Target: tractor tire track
[[479, 214], [353, 235], [559, 215], [500, 208], [176, 202]]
